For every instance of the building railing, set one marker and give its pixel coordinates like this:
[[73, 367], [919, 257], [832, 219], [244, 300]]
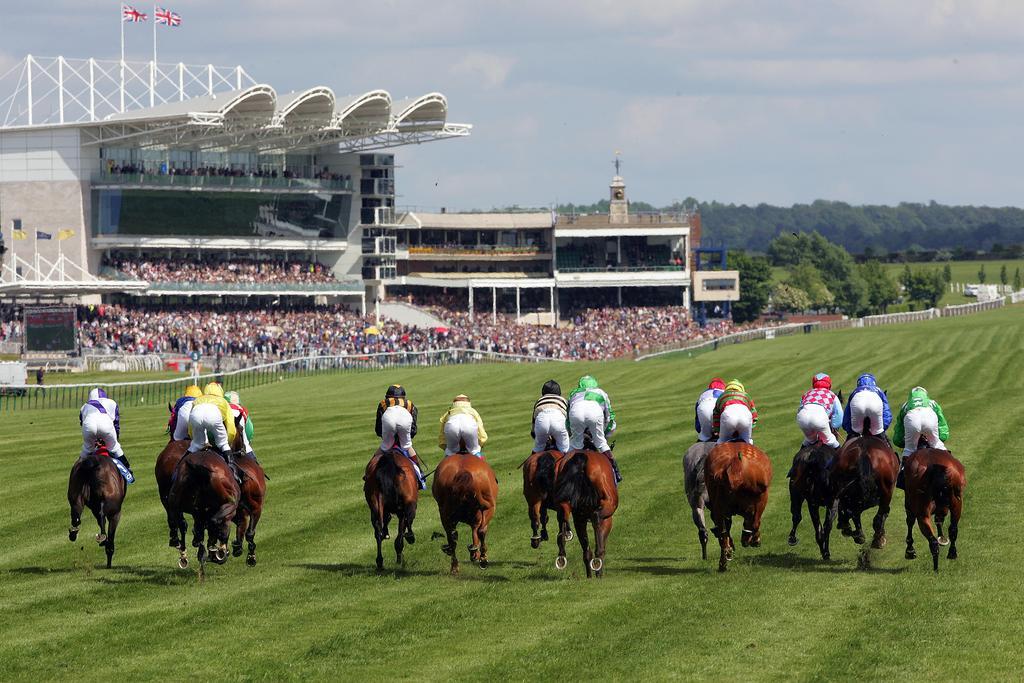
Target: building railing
[[166, 180], [254, 287], [619, 269], [477, 250]]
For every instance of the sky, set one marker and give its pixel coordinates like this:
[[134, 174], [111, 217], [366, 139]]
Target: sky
[[869, 102]]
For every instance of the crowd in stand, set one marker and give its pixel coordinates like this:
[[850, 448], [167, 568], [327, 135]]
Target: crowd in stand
[[266, 334], [220, 270], [115, 168]]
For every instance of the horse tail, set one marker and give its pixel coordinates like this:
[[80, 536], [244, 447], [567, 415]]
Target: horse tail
[[574, 485], [387, 474], [734, 472], [544, 474], [870, 495], [867, 425], [939, 485]]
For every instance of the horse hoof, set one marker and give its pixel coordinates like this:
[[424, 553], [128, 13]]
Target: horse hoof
[[826, 556], [544, 535], [951, 555], [846, 531], [534, 543], [943, 540], [251, 560], [172, 543], [101, 538], [448, 549], [568, 535], [792, 540], [182, 562], [755, 543], [236, 549], [596, 564], [387, 535], [859, 539], [561, 562], [72, 535], [483, 563], [722, 566], [410, 538], [878, 543], [911, 554]]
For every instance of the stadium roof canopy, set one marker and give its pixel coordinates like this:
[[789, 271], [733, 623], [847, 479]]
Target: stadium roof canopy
[[209, 108]]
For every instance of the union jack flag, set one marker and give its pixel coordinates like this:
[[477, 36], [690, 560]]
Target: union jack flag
[[166, 16], [131, 15]]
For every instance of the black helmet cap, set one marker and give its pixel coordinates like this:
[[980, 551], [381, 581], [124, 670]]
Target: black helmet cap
[[551, 387], [395, 391]]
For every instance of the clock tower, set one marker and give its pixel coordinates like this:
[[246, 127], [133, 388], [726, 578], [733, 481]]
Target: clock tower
[[618, 211]]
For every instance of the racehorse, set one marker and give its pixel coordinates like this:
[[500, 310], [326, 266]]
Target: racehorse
[[166, 462], [466, 491], [250, 507], [391, 488], [205, 488], [96, 483], [737, 476], [539, 472], [809, 481], [696, 490], [863, 475], [585, 488], [935, 483]]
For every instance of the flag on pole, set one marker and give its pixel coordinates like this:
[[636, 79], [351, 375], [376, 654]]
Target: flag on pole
[[131, 15], [20, 235], [40, 235], [65, 234], [167, 17]]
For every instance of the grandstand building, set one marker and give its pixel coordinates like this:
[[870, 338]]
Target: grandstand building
[[108, 163]]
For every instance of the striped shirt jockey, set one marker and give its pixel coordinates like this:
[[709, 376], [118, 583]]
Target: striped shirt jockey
[[732, 397], [550, 401], [401, 402]]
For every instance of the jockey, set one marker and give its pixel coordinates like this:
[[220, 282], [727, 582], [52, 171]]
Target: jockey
[[101, 419], [211, 421], [550, 414], [590, 410], [870, 402], [735, 414], [462, 425], [705, 409], [177, 426], [242, 417], [820, 412], [396, 426]]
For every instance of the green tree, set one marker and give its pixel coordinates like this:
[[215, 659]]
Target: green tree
[[926, 287], [807, 278], [755, 285], [882, 290], [789, 298], [947, 273], [1004, 276], [1016, 280], [982, 276]]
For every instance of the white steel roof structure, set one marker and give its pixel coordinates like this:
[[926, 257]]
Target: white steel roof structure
[[209, 108]]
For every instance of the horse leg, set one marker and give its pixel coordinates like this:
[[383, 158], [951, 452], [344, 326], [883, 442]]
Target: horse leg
[[940, 519], [602, 527], [878, 523], [858, 530], [485, 524], [534, 509], [220, 531], [755, 522], [400, 538], [826, 530], [101, 520], [560, 561], [250, 536], [581, 531], [564, 527], [378, 536], [241, 525], [795, 503], [452, 535], [543, 523], [722, 523], [114, 518], [815, 515], [911, 553], [924, 523], [76, 517], [955, 507], [474, 545], [410, 517], [702, 528]]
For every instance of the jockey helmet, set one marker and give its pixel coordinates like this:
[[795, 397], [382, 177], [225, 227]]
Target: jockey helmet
[[461, 398], [735, 385], [588, 382], [395, 391], [232, 397], [193, 391], [551, 387], [866, 380], [918, 392], [97, 393], [717, 383], [821, 381], [214, 389]]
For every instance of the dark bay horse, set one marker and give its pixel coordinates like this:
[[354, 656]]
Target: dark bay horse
[[863, 476], [737, 476], [585, 489], [809, 482], [935, 483], [250, 507], [166, 462], [696, 490], [466, 491], [96, 483], [391, 488], [539, 472], [205, 488]]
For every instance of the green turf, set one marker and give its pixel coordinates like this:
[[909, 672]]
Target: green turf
[[314, 608]]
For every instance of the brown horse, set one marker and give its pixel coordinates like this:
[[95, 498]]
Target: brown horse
[[205, 488], [539, 472], [808, 482], [862, 476], [391, 488], [250, 507], [935, 483], [96, 483], [166, 462], [585, 488], [737, 476], [696, 490], [466, 491]]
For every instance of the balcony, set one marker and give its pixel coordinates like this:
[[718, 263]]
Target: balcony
[[423, 252], [217, 183]]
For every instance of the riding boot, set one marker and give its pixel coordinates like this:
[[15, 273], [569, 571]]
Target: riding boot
[[615, 465], [423, 470], [229, 458], [900, 483], [124, 461]]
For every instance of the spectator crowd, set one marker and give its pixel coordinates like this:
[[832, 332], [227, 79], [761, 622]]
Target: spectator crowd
[[131, 168], [215, 269]]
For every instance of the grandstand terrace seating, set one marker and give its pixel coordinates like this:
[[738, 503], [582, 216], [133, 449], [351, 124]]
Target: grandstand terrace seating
[[235, 274]]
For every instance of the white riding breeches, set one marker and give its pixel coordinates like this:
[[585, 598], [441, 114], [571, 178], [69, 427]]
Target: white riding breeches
[[181, 423], [705, 415], [917, 423], [396, 427], [736, 422], [99, 426], [550, 423], [461, 428], [866, 404], [587, 416], [813, 422], [207, 428]]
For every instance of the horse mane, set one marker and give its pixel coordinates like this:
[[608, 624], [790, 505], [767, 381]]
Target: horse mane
[[574, 485]]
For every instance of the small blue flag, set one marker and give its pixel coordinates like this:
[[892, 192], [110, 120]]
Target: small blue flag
[[40, 235]]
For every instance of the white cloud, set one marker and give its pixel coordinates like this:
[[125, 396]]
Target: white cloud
[[490, 70]]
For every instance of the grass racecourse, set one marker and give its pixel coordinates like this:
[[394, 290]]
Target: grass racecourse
[[314, 608]]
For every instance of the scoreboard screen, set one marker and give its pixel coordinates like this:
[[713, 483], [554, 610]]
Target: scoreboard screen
[[50, 329]]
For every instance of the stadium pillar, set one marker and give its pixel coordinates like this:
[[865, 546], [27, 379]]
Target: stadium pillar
[[554, 316], [471, 301], [494, 305], [517, 306], [620, 296]]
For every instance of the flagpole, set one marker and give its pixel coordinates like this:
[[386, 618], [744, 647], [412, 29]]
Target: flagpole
[[154, 35], [152, 67], [122, 57]]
